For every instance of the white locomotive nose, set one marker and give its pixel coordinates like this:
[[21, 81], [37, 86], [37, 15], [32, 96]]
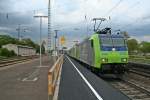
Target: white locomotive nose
[[113, 49]]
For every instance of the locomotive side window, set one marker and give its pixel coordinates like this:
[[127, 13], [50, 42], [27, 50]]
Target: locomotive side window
[[92, 43]]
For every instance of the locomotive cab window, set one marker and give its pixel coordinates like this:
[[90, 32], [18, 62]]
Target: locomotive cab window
[[106, 41], [118, 41]]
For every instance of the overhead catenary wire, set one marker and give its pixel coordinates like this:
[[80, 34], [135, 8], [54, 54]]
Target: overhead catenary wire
[[15, 12], [113, 8], [135, 20], [7, 14], [87, 23], [127, 10], [131, 7], [133, 23]]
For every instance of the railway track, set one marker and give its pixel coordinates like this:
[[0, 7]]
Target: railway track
[[141, 69], [131, 89], [135, 84], [7, 62], [138, 72]]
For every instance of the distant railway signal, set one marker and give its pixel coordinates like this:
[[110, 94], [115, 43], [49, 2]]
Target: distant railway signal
[[62, 40]]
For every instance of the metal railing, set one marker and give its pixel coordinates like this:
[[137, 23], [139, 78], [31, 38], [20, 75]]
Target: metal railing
[[53, 76]]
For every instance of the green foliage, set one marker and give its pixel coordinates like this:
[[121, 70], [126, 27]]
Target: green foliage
[[37, 49], [28, 42], [12, 53], [144, 47], [147, 57], [6, 53], [6, 39], [132, 45], [43, 49]]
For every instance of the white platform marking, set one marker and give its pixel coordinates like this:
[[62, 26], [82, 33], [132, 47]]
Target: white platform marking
[[32, 77], [33, 80], [43, 66], [85, 80]]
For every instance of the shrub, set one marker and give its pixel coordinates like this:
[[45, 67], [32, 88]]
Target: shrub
[[147, 57], [5, 52], [12, 53]]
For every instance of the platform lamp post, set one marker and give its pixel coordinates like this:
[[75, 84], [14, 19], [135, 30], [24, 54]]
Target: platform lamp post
[[40, 16]]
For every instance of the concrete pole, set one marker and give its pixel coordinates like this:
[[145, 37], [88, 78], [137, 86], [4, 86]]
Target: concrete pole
[[56, 31], [49, 28], [18, 29], [40, 41]]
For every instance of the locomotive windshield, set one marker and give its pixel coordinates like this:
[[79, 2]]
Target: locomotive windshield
[[109, 42], [118, 41], [105, 41]]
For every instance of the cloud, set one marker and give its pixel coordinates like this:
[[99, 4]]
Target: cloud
[[129, 15], [5, 28], [142, 38], [5, 6]]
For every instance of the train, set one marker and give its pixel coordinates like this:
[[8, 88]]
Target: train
[[104, 52]]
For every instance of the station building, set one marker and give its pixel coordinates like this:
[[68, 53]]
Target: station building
[[20, 49]]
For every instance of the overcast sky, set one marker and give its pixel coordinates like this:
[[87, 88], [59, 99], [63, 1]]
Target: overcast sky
[[132, 16]]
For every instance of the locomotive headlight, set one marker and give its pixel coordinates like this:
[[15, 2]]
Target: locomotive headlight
[[113, 49], [124, 60], [104, 60]]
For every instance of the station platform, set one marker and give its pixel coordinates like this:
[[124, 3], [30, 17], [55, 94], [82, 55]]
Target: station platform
[[79, 83]]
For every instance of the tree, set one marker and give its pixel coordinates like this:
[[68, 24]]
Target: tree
[[12, 53], [28, 42], [38, 48], [43, 47], [144, 47], [6, 39], [132, 45]]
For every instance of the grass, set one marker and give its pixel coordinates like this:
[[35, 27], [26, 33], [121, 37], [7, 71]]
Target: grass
[[4, 58], [1, 57], [140, 59]]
